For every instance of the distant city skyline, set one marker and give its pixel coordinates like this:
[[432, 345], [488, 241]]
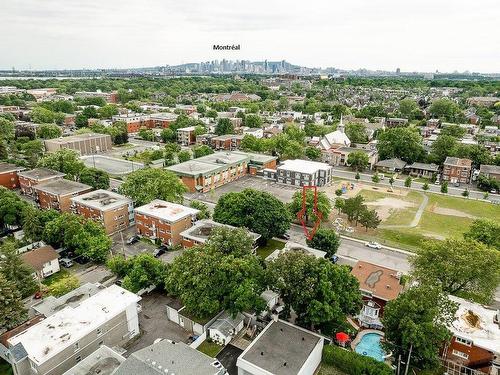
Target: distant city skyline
[[444, 35]]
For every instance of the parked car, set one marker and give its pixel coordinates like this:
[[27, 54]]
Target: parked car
[[373, 245], [334, 259], [133, 240], [66, 262], [160, 251], [284, 236], [81, 259], [456, 184]]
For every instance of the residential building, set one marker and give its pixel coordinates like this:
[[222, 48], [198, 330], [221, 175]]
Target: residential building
[[227, 142], [256, 132], [296, 247], [394, 122], [490, 171], [134, 121], [390, 165], [476, 337], [8, 175], [44, 261], [114, 211], [104, 361], [211, 171], [301, 173], [85, 144], [169, 357], [335, 139], [42, 93], [201, 230], [177, 313], [456, 170], [378, 285], [162, 119], [186, 136], [282, 349], [110, 97], [339, 156], [60, 341], [486, 101], [259, 162], [422, 169], [226, 327], [38, 176], [164, 221], [236, 97], [57, 194]]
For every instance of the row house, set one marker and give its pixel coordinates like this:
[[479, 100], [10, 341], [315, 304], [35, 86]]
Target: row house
[[57, 194], [456, 170], [394, 122], [164, 221], [114, 211], [9, 175], [38, 176]]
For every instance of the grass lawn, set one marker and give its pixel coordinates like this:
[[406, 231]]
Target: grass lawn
[[326, 369], [210, 348], [267, 249], [55, 277], [469, 206], [5, 368]]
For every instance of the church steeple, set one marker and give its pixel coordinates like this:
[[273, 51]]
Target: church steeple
[[341, 125]]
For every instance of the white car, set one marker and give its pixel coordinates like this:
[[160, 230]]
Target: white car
[[373, 245]]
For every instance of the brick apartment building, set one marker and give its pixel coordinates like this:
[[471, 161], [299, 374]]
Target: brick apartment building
[[85, 144], [186, 136], [29, 179], [456, 170], [114, 211], [109, 97], [9, 175], [227, 142], [164, 221], [136, 121], [57, 194]]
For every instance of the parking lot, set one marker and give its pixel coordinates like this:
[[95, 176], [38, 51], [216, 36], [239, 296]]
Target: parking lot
[[120, 244], [280, 191], [154, 323]]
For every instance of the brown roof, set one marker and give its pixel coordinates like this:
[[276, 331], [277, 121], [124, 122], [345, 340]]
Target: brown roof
[[38, 257], [458, 162], [19, 329], [380, 281]]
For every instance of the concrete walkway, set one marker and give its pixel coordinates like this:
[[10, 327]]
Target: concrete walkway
[[418, 215]]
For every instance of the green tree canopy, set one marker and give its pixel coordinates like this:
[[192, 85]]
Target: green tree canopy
[[65, 161], [486, 231], [49, 131], [202, 150], [323, 205], [12, 311], [402, 143], [96, 178], [356, 132], [230, 241], [325, 239], [14, 269], [358, 160], [224, 126]]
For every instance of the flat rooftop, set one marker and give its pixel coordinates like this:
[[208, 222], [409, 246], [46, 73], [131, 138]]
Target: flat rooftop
[[113, 166], [476, 323], [281, 348], [41, 174], [202, 229], [104, 361], [62, 187], [7, 167], [102, 200], [193, 168], [77, 138], [304, 166], [380, 281], [167, 211], [209, 164], [224, 158], [258, 158], [62, 329]]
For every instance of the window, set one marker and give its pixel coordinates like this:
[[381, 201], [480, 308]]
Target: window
[[463, 341], [460, 354], [99, 331], [77, 346], [78, 358]]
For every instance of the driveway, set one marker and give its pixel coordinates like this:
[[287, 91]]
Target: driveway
[[228, 357], [120, 246], [154, 324]]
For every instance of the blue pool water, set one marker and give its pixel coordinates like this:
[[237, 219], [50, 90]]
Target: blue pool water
[[370, 346]]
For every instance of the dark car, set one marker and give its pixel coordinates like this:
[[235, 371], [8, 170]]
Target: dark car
[[133, 240], [334, 259], [81, 259], [285, 236], [160, 251]]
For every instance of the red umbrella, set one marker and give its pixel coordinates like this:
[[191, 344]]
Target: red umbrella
[[342, 337]]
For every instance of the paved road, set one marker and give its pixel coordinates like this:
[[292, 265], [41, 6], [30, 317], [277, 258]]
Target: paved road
[[476, 194]]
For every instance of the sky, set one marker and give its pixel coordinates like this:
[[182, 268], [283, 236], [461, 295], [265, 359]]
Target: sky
[[418, 35]]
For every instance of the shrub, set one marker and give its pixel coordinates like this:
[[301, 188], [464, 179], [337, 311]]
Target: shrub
[[352, 363], [64, 285]]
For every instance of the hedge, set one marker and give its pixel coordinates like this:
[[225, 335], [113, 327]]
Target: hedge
[[353, 363]]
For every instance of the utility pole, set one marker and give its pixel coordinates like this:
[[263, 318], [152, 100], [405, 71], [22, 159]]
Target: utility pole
[[399, 364], [408, 361]]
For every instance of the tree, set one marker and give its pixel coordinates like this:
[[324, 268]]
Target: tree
[[418, 319], [14, 269], [168, 135], [251, 143], [108, 111], [369, 219], [208, 281], [325, 240], [402, 143], [446, 109], [184, 156], [358, 160], [339, 204], [147, 135], [485, 231], [7, 129], [356, 132], [408, 108], [49, 131], [453, 130], [63, 286], [42, 115], [230, 241], [12, 311], [331, 292], [323, 205], [408, 182], [454, 264], [443, 146], [95, 177], [224, 126], [253, 121], [33, 151], [11, 208], [444, 187], [358, 176], [353, 207], [391, 181], [376, 178], [295, 133], [465, 193], [202, 150], [425, 186], [65, 161], [258, 211], [202, 207], [145, 185], [313, 153], [34, 222]]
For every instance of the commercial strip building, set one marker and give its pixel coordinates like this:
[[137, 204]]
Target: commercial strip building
[[60, 341], [29, 179], [9, 175], [301, 173], [164, 221], [114, 211], [57, 194], [84, 144]]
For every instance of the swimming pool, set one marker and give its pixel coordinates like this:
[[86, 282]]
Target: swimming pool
[[370, 346]]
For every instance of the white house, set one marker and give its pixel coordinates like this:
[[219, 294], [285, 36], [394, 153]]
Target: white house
[[225, 328], [44, 261], [256, 132]]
